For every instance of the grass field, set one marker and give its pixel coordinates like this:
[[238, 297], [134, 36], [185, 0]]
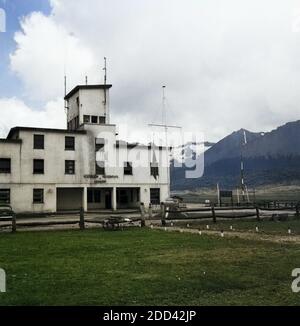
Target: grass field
[[267, 193], [144, 267]]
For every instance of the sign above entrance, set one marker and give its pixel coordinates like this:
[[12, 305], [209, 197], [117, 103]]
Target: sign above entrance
[[100, 178]]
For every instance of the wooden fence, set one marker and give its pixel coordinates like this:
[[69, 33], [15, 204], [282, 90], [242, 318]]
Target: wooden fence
[[213, 212], [80, 219]]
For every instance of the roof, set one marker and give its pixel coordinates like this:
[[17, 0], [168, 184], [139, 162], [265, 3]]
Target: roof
[[77, 88], [10, 141], [63, 131]]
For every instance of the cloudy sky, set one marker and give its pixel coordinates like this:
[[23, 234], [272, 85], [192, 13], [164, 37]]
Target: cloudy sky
[[227, 64]]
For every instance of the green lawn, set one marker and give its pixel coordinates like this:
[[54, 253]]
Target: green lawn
[[144, 267]]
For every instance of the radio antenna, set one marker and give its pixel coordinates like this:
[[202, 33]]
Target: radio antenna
[[105, 79]]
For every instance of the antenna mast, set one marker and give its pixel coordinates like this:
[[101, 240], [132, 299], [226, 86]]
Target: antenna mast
[[166, 127], [65, 93], [243, 185], [105, 80]]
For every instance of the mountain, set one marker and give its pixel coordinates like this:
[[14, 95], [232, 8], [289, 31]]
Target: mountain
[[271, 157]]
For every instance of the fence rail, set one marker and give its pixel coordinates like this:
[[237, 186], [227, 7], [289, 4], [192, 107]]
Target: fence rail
[[178, 214], [12, 220]]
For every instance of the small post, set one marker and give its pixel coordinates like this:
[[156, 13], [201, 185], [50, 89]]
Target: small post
[[163, 210], [14, 223], [142, 209], [213, 213], [163, 214], [257, 213], [297, 210], [150, 212], [81, 219]]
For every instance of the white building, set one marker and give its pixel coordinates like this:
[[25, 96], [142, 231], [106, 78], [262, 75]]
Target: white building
[[50, 170]]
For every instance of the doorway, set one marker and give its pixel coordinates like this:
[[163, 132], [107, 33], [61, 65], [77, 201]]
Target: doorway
[[108, 199]]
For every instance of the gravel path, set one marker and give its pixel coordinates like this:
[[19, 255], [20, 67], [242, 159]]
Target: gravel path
[[234, 234]]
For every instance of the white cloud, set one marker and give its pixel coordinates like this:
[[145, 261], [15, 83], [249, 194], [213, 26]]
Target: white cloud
[[15, 112], [44, 50], [227, 64]]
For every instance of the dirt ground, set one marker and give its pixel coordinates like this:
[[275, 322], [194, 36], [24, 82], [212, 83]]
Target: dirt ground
[[235, 234]]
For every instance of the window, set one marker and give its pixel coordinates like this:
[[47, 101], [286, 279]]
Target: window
[[69, 167], [128, 168], [86, 119], [94, 119], [122, 196], [154, 171], [4, 196], [38, 141], [5, 165], [38, 166], [99, 144], [100, 168], [38, 196], [69, 143], [77, 101], [155, 196], [102, 120], [94, 196]]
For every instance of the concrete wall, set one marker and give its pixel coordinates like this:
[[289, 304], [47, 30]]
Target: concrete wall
[[22, 198]]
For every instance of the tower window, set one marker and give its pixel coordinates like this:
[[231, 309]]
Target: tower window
[[38, 141], [102, 120], [94, 119], [86, 119], [38, 166], [69, 167]]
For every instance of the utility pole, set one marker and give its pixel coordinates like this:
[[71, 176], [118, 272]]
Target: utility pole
[[166, 129], [244, 188], [105, 78]]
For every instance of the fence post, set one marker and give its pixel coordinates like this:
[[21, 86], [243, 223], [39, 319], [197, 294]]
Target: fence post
[[163, 214], [257, 213], [14, 223], [213, 213], [81, 219], [142, 209], [150, 211]]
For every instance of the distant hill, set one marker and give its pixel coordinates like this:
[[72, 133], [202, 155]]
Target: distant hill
[[272, 157]]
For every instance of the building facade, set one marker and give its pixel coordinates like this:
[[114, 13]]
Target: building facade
[[85, 165]]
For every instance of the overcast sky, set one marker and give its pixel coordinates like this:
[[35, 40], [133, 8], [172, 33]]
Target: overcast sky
[[227, 64]]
